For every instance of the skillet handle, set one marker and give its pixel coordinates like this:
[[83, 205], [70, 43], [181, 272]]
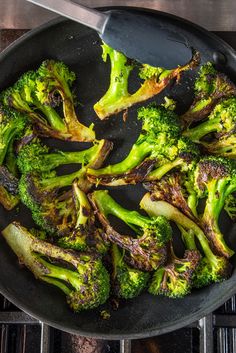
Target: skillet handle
[[125, 346]]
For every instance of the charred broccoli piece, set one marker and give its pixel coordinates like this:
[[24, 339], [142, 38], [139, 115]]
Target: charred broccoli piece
[[159, 144], [155, 79], [212, 268], [81, 276], [146, 251], [187, 154], [36, 157], [127, 282], [43, 191], [222, 124], [84, 235], [175, 279], [12, 127], [37, 93], [210, 88], [215, 178], [176, 189]]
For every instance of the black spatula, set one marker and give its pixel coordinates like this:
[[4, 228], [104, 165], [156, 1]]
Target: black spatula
[[140, 36]]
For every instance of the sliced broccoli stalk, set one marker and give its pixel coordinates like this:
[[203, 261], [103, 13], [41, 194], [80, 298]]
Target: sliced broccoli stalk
[[147, 251], [213, 268], [117, 97], [210, 88], [174, 280], [86, 285], [157, 143], [128, 282]]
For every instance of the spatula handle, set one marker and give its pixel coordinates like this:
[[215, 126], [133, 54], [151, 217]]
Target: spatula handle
[[89, 17]]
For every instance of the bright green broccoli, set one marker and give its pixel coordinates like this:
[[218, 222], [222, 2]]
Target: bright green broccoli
[[118, 98], [12, 127], [81, 276], [127, 282], [43, 191], [159, 144], [215, 178], [230, 206], [37, 93], [146, 251], [210, 88], [174, 280], [85, 235], [212, 268], [221, 123]]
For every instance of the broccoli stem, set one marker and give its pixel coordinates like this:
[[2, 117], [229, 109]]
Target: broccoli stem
[[53, 118], [158, 173], [196, 133], [134, 158], [109, 206], [188, 238], [59, 158], [118, 88], [214, 205], [61, 273], [84, 206], [62, 180], [162, 208]]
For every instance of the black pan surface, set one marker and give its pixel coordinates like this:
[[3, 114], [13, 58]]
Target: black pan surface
[[79, 47]]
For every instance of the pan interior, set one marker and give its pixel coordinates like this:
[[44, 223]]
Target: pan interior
[[80, 49]]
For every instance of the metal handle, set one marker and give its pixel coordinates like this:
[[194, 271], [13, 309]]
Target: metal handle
[[79, 13], [125, 346]]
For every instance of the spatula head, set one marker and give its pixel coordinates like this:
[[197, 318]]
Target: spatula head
[[148, 39]]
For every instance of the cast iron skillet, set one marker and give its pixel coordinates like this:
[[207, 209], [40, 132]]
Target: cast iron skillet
[[79, 47]]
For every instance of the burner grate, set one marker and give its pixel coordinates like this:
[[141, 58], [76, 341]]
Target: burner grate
[[20, 333]]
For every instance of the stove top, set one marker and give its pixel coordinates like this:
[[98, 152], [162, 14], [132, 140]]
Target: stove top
[[20, 333]]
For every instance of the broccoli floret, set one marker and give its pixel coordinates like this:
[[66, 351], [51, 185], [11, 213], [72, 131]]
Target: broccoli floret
[[222, 123], [156, 145], [174, 189], [218, 267], [174, 280], [43, 191], [230, 206], [36, 94], [210, 88], [85, 235], [215, 178], [211, 268], [12, 127], [147, 251], [128, 282], [118, 98], [86, 283], [169, 103], [37, 157], [55, 79], [186, 157]]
